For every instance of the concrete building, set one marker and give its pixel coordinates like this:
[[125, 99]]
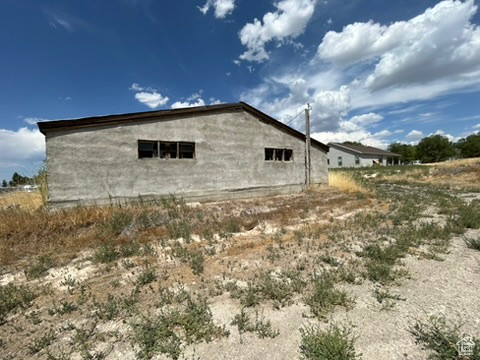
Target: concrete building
[[201, 153], [350, 155]]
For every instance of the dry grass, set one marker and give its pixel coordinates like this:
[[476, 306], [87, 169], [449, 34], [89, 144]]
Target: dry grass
[[344, 182], [456, 163], [29, 201]]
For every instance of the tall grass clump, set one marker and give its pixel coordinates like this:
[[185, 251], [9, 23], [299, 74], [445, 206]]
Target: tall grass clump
[[345, 181]]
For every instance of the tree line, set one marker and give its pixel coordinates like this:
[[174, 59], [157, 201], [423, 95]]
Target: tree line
[[437, 148]]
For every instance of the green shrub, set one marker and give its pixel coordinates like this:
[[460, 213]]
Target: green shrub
[[39, 268], [335, 343], [323, 296], [440, 337], [472, 243], [13, 297]]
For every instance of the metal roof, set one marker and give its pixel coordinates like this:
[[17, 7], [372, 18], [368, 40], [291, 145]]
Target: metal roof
[[121, 119], [363, 150]]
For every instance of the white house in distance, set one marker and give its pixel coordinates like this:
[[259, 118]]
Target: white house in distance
[[352, 155], [201, 153]]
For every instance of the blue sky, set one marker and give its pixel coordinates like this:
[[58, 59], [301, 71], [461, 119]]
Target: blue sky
[[374, 71]]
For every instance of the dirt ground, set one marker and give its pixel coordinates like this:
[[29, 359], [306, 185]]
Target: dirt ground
[[324, 228]]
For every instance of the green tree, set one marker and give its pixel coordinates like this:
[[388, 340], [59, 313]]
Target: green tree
[[435, 148], [4, 183], [408, 152], [469, 147], [18, 179]]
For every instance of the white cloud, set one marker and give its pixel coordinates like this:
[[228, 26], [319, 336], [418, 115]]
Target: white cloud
[[136, 87], [477, 127], [152, 99], [288, 22], [415, 136], [366, 119], [57, 21], [184, 104], [377, 140], [222, 7], [24, 146], [149, 96], [440, 43], [34, 120]]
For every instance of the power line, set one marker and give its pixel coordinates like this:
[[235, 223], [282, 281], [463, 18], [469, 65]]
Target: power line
[[300, 112]]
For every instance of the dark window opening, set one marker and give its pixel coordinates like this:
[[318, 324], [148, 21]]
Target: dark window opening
[[288, 154], [168, 150], [328, 161], [339, 161], [269, 154], [278, 154], [272, 154], [147, 149], [357, 160], [186, 150]]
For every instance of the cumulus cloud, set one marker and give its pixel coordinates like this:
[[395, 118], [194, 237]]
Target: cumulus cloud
[[440, 43], [414, 136], [476, 127], [287, 22], [222, 7], [152, 99], [24, 146], [184, 104], [149, 96], [378, 140]]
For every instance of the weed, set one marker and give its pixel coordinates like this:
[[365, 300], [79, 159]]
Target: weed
[[147, 276], [179, 228], [65, 307], [232, 225], [117, 223], [197, 261], [472, 243], [130, 248], [386, 298], [467, 215], [441, 338], [335, 343], [41, 342], [172, 329], [106, 252], [323, 295], [13, 297], [39, 268], [260, 327]]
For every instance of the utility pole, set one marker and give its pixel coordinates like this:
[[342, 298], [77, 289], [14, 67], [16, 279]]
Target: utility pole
[[307, 146]]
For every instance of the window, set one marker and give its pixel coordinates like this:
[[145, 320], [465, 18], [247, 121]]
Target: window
[[339, 161], [166, 149], [147, 149], [357, 160], [269, 154], [328, 161], [186, 150], [288, 154], [278, 154]]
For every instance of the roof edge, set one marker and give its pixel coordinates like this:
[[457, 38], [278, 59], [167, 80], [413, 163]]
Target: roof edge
[[118, 119]]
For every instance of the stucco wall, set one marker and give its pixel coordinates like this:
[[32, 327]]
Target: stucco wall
[[348, 159], [96, 165]]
